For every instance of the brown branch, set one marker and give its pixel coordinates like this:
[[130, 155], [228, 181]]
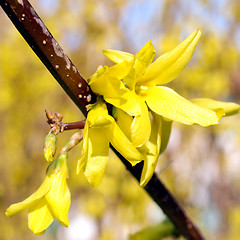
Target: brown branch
[[51, 54], [34, 31], [168, 203]]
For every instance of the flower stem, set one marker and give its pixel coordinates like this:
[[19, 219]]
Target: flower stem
[[34, 31], [73, 141]]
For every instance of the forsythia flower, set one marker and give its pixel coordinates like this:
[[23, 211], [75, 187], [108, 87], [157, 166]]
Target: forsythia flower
[[51, 200], [134, 81], [132, 86], [100, 130]]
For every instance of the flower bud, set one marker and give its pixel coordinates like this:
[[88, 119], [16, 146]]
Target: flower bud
[[49, 147]]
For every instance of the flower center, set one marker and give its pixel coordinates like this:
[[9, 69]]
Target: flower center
[[141, 90]]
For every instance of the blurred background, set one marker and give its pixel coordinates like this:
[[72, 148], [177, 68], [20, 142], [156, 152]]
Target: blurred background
[[203, 164]]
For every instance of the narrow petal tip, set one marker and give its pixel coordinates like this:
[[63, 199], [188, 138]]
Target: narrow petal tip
[[198, 32], [169, 65], [39, 233], [117, 56], [8, 213], [64, 223], [12, 210]]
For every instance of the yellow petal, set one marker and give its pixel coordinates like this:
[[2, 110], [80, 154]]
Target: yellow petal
[[169, 65], [117, 56], [98, 155], [98, 116], [108, 86], [143, 58], [100, 71], [59, 197], [121, 143], [116, 93], [124, 121], [229, 108], [40, 217], [120, 70], [150, 162], [114, 90], [167, 103], [136, 129], [83, 160], [28, 202], [110, 79], [153, 146], [141, 126], [146, 54], [165, 134], [154, 142], [128, 102], [130, 79]]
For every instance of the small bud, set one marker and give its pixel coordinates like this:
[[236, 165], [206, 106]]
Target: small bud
[[49, 147]]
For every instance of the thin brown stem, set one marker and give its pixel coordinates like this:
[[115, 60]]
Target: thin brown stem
[[73, 125], [56, 124], [52, 55]]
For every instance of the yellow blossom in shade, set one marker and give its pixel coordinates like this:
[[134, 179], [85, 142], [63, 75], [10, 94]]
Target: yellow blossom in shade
[[100, 130], [51, 200], [156, 144], [133, 83]]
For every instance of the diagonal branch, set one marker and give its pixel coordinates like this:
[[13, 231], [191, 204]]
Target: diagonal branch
[[49, 51], [58, 63]]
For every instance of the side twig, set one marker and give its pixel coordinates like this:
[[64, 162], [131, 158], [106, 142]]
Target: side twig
[[56, 124], [31, 27]]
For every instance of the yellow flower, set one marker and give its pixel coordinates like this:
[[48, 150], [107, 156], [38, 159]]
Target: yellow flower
[[134, 81], [132, 86], [51, 200], [100, 130]]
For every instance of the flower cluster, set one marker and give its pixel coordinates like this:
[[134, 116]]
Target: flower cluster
[[138, 128], [143, 108]]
